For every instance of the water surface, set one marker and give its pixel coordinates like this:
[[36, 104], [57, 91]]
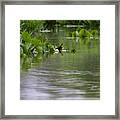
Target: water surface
[[65, 76]]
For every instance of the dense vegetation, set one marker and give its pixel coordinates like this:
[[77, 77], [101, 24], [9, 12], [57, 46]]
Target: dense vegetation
[[36, 44]]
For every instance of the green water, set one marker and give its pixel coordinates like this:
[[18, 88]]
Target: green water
[[64, 76]]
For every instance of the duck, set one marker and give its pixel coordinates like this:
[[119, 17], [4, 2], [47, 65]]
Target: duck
[[60, 48]]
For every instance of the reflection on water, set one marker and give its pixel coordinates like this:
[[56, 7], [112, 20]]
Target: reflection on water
[[70, 75], [67, 76]]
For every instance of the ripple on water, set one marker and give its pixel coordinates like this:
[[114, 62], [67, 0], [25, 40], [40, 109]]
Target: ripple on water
[[52, 81]]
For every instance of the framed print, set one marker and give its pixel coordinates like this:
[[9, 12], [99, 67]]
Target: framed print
[[60, 59]]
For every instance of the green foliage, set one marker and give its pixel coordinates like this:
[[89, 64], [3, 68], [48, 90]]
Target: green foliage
[[74, 34], [34, 44], [31, 26], [94, 33], [90, 24], [84, 33]]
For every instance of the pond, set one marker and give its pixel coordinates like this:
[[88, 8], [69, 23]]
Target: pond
[[66, 76]]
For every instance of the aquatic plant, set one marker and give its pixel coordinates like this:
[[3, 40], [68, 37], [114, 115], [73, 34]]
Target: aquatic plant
[[84, 33], [94, 33], [30, 47], [35, 43]]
